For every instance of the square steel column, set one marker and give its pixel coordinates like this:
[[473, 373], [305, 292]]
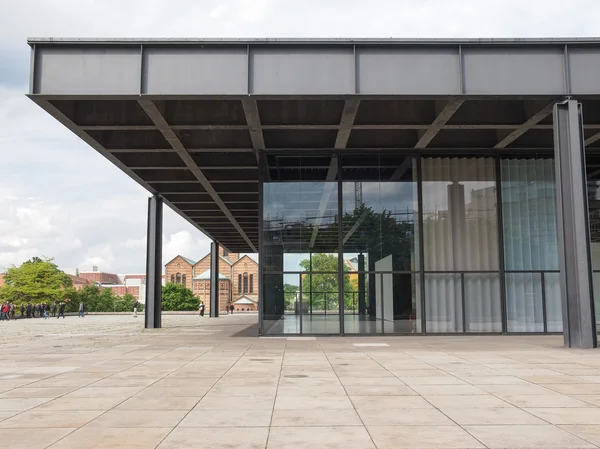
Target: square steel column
[[214, 280], [579, 323], [153, 304]]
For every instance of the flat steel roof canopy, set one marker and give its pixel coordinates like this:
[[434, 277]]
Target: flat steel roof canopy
[[187, 118]]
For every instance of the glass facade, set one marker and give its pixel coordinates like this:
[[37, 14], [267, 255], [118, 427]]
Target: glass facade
[[396, 243]]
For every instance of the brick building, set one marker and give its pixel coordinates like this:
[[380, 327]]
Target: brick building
[[79, 282], [238, 279], [134, 284], [98, 277]]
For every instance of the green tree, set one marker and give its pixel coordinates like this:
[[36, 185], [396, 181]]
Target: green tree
[[125, 303], [289, 293], [37, 281], [178, 297], [321, 289]]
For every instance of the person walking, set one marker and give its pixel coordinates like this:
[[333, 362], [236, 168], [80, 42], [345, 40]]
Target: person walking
[[135, 307], [81, 310], [12, 310], [231, 308], [53, 309], [61, 310], [5, 310], [22, 311], [201, 308]]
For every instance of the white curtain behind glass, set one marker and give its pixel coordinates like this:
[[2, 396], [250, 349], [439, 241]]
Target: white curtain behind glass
[[460, 234], [530, 243]]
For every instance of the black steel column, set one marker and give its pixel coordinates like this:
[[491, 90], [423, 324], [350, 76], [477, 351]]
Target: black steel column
[[361, 285], [341, 264], [262, 167], [153, 304], [214, 280], [579, 323]]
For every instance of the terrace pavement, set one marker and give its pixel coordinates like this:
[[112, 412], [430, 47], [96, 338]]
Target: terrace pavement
[[105, 382]]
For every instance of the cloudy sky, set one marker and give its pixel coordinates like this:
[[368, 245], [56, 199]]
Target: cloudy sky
[[60, 198]]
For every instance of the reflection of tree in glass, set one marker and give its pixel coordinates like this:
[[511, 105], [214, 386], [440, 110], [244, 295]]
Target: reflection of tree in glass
[[380, 234]]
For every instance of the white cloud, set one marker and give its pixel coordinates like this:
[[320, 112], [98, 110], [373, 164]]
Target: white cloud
[[185, 244]]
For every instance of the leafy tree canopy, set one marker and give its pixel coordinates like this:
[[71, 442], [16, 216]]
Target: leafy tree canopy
[[322, 288], [178, 297], [38, 280]]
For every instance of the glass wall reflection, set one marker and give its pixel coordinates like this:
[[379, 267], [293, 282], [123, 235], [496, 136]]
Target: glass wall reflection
[[593, 188], [460, 234], [530, 245], [300, 244], [373, 236], [379, 234]]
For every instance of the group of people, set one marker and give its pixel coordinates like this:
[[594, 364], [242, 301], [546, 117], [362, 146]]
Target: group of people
[[9, 310], [202, 307]]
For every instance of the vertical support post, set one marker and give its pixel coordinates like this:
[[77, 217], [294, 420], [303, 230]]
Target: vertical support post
[[262, 166], [361, 285], [502, 268], [579, 323], [421, 235], [214, 280], [153, 304], [341, 264]]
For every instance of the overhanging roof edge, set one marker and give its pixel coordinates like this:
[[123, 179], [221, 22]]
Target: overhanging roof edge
[[312, 41]]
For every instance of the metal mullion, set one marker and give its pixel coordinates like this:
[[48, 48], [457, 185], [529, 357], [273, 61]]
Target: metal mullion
[[421, 242], [544, 311], [463, 302], [340, 244], [261, 259], [301, 310], [382, 303], [501, 261]]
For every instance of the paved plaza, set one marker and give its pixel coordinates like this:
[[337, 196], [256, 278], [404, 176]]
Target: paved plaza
[[105, 382]]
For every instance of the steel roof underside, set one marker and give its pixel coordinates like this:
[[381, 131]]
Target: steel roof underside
[[188, 119]]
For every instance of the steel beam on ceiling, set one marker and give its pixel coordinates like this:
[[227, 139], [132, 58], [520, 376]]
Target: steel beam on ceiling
[[253, 119], [592, 139], [346, 122], [440, 121], [49, 107], [399, 172], [160, 122], [327, 191], [309, 127], [534, 120]]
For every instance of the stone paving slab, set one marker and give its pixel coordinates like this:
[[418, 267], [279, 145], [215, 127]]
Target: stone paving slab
[[105, 382]]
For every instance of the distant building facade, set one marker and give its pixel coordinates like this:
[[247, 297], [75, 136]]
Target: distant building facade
[[133, 284], [238, 279]]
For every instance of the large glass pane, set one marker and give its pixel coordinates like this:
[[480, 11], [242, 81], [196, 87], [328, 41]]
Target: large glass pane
[[460, 230], [300, 234], [280, 295], [530, 242], [483, 309], [593, 188], [460, 234], [320, 298], [553, 302], [529, 214], [379, 230], [443, 303], [524, 302]]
